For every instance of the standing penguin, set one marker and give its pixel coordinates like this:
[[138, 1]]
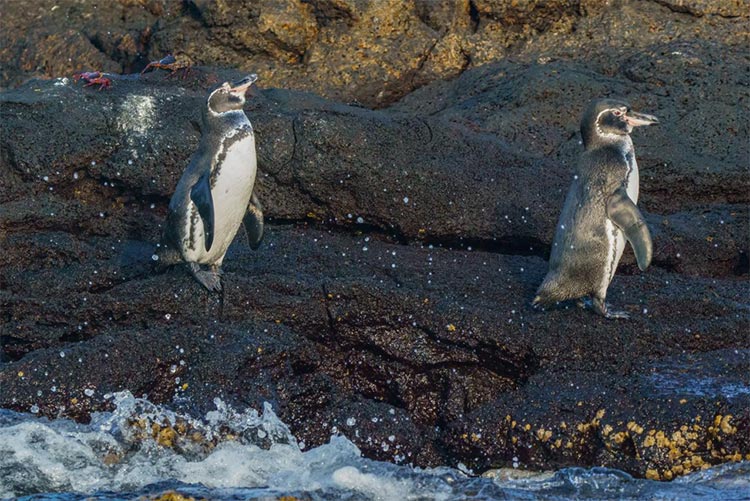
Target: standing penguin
[[215, 193], [600, 211]]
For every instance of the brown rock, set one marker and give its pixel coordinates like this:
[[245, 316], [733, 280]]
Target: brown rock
[[725, 8], [290, 23], [538, 14]]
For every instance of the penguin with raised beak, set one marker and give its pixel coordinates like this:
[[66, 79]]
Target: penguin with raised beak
[[215, 193], [600, 212]]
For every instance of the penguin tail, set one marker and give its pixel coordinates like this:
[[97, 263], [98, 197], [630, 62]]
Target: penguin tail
[[165, 256], [547, 293], [539, 302], [536, 303]]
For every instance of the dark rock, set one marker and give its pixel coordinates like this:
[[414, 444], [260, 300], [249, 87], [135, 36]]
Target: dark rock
[[409, 329], [692, 165]]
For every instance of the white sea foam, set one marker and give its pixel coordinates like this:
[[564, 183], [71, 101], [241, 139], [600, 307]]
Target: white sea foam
[[253, 455]]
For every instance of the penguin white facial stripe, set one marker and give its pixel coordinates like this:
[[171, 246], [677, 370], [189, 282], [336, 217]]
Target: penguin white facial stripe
[[608, 135]]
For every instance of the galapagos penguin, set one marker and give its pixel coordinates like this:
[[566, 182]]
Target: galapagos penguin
[[600, 212], [215, 193]]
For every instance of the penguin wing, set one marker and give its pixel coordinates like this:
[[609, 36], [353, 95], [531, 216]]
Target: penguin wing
[[200, 194], [625, 215], [253, 222]]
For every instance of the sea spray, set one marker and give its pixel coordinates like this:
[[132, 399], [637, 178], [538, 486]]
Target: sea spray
[[144, 449]]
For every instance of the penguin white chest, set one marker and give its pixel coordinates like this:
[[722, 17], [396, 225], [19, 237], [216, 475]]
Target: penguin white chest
[[615, 237], [633, 177], [232, 182]]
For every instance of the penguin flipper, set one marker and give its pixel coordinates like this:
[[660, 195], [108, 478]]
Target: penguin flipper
[[200, 194], [253, 222], [625, 215]]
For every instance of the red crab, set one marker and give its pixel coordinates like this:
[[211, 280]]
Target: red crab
[[93, 78], [171, 63]]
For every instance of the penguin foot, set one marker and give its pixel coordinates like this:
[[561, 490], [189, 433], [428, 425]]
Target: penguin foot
[[602, 308], [210, 279], [617, 314]]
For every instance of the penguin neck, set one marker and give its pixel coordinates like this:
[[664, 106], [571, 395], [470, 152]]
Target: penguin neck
[[221, 124], [600, 140], [231, 118]]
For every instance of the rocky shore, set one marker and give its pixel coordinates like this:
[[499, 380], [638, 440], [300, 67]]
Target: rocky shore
[[411, 190]]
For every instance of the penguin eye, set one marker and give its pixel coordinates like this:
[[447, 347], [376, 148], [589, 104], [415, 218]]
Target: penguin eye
[[617, 112]]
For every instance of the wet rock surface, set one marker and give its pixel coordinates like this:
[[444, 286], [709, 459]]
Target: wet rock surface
[[390, 299]]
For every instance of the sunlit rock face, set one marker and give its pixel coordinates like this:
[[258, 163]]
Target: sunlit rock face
[[370, 52], [404, 244]]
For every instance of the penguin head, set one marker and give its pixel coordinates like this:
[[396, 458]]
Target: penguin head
[[229, 97], [607, 120]]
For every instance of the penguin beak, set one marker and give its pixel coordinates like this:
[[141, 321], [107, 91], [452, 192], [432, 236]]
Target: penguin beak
[[635, 119], [239, 88]]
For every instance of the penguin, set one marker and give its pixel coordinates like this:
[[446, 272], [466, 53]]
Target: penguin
[[215, 193], [600, 212]]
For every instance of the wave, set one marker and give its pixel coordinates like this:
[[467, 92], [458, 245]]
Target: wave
[[142, 449]]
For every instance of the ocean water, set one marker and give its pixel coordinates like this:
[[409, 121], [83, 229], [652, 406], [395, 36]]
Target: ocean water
[[144, 450]]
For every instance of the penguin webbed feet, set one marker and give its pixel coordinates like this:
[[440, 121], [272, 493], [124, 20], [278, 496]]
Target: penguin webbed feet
[[541, 303], [603, 309], [210, 279]]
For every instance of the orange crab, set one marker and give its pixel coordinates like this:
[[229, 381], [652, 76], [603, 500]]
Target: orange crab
[[171, 63], [93, 78]]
